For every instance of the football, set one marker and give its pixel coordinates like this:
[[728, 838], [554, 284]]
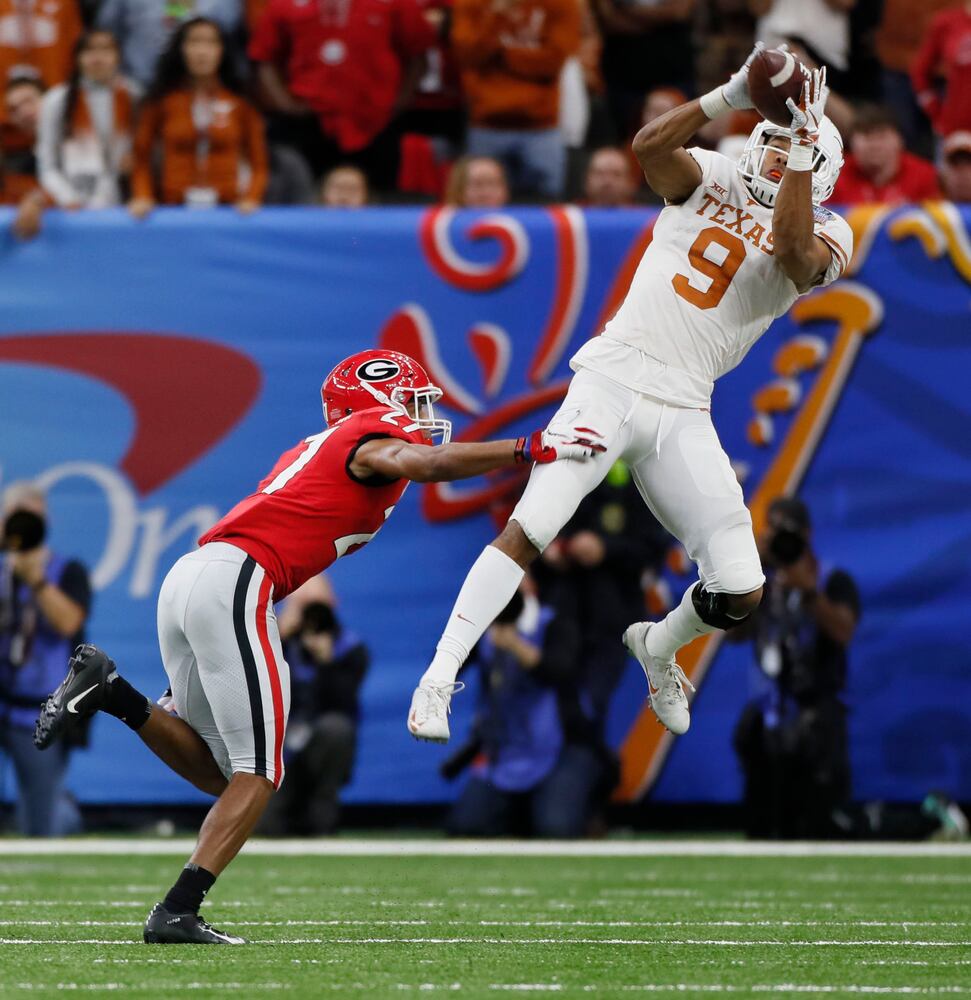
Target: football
[[774, 76]]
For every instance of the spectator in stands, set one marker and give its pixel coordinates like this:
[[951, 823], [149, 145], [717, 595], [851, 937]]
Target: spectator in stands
[[511, 53], [18, 164], [791, 739], [878, 168], [903, 24], [956, 167], [531, 774], [335, 75], [941, 73], [18, 136], [37, 39], [345, 187], [477, 182], [205, 131], [85, 132], [44, 602], [610, 180], [327, 668], [822, 27], [144, 28], [646, 45]]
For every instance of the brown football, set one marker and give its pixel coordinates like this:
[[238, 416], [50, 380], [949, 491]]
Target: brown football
[[773, 77]]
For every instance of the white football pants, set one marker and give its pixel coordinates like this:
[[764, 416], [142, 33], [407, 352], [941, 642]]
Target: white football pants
[[680, 470]]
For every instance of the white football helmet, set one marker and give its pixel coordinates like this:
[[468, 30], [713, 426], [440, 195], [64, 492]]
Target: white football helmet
[[827, 161]]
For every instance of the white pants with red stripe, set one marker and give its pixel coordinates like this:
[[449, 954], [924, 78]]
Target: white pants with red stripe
[[221, 649]]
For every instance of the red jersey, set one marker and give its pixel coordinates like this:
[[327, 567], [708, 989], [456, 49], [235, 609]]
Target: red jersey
[[945, 55], [916, 180], [343, 58], [310, 509]]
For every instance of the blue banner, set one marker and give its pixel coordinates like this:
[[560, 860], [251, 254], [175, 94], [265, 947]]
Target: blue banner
[[151, 373]]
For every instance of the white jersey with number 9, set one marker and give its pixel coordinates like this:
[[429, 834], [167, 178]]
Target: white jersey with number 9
[[706, 289]]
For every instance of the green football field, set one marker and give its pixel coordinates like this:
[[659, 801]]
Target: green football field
[[714, 919]]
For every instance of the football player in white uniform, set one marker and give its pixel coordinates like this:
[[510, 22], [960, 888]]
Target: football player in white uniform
[[734, 247]]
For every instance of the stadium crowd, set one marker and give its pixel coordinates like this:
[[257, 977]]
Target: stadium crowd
[[477, 102]]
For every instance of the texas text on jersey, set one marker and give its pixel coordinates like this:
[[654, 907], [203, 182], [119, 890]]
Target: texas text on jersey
[[706, 289], [311, 509]]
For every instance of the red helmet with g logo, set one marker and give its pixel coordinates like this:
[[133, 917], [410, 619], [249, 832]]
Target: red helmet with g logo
[[383, 378]]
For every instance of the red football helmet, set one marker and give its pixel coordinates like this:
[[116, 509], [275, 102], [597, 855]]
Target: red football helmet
[[383, 378]]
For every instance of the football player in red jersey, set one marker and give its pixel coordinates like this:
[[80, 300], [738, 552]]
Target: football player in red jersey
[[218, 634]]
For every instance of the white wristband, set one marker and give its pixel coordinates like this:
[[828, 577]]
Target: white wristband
[[714, 104], [800, 156]]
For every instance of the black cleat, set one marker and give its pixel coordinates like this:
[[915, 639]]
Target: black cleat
[[165, 927], [80, 695]]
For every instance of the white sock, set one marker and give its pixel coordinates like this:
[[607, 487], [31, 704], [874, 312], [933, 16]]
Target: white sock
[[488, 588], [677, 629]]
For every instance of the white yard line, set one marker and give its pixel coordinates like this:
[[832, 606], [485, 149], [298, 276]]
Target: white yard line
[[668, 942], [493, 848], [336, 922]]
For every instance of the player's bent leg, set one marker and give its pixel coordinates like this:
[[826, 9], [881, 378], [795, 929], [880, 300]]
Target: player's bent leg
[[178, 745], [689, 484], [552, 495]]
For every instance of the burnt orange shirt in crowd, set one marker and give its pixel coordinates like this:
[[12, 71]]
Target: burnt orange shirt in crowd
[[201, 159], [902, 28], [38, 35], [511, 60]]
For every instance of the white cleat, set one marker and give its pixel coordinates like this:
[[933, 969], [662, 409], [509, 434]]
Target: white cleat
[[430, 707], [664, 679]]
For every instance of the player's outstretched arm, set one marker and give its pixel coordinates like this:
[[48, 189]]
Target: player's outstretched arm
[[392, 458], [802, 254], [669, 168]]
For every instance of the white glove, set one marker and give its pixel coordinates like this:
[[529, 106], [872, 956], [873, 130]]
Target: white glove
[[734, 95], [808, 113], [735, 91]]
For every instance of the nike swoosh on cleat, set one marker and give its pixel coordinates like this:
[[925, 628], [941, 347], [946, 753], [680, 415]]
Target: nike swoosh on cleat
[[72, 705], [651, 687]]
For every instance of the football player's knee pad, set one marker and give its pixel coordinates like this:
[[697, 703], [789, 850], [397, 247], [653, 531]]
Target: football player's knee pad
[[712, 608]]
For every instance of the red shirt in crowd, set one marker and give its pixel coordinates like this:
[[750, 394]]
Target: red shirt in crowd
[[946, 54], [916, 180], [343, 58]]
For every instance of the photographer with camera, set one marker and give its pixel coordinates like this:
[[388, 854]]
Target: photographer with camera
[[536, 765], [44, 602], [791, 739]]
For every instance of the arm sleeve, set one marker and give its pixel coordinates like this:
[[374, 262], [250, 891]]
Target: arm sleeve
[[142, 184], [835, 231], [75, 583], [268, 43], [562, 40], [49, 138], [841, 589], [255, 145], [475, 33]]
